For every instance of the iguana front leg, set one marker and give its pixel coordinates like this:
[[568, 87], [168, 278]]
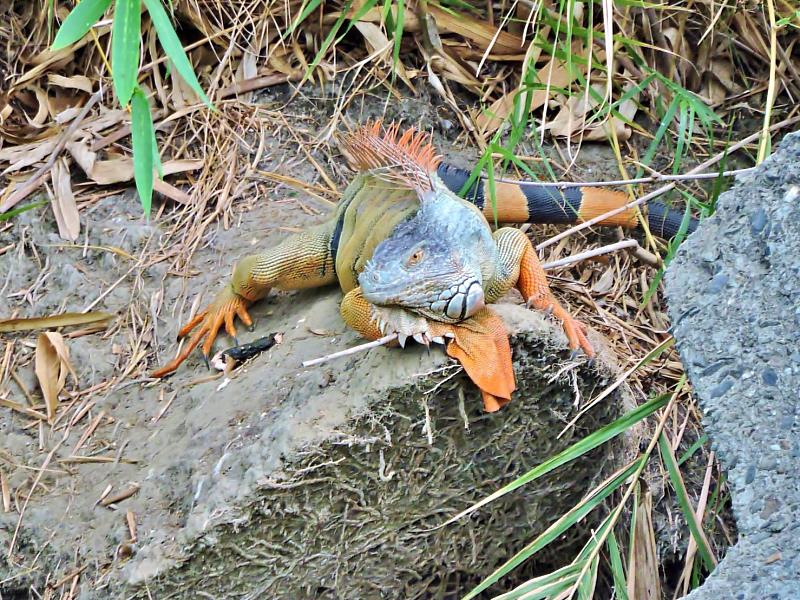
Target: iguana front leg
[[301, 261], [479, 343], [520, 267]]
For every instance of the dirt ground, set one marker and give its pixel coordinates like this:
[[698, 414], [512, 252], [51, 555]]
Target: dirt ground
[[160, 440]]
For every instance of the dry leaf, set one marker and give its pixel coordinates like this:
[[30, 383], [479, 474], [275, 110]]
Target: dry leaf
[[51, 367], [43, 113], [26, 155], [170, 191], [248, 69], [76, 82], [480, 32], [61, 320], [554, 72], [64, 207], [571, 119], [118, 170], [380, 44], [605, 283]]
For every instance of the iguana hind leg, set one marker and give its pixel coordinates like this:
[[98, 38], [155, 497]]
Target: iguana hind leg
[[520, 268], [303, 260]]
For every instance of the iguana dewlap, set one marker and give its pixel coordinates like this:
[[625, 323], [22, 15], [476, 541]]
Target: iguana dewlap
[[413, 257]]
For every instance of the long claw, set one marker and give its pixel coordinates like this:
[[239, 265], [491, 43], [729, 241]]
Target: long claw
[[220, 313], [421, 338], [401, 338]]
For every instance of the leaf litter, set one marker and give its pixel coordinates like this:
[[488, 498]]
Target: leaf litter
[[481, 73]]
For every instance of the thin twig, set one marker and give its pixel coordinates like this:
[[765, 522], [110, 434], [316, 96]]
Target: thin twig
[[617, 182], [373, 344], [590, 253], [36, 179]]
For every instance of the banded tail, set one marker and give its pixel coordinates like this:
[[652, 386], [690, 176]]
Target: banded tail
[[552, 205]]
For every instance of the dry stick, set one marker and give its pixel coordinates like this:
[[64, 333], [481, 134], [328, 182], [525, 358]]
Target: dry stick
[[616, 182], [664, 189], [36, 179], [374, 343], [590, 253]]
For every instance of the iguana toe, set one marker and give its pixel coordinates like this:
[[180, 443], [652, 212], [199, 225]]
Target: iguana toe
[[220, 313]]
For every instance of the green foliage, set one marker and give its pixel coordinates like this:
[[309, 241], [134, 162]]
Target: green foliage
[[145, 155], [126, 37], [173, 48], [10, 214], [671, 464], [79, 21], [126, 42]]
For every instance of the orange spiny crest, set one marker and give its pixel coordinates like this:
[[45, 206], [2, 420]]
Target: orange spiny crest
[[408, 160]]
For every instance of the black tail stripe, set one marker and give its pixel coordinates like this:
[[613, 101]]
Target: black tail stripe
[[665, 222], [455, 178], [553, 205]]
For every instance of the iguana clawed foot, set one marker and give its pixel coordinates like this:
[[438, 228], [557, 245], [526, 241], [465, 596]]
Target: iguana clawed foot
[[221, 312]]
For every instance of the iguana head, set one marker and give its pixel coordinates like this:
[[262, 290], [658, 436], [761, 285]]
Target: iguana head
[[434, 264]]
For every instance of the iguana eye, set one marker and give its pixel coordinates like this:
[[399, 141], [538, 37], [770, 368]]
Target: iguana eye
[[414, 258]]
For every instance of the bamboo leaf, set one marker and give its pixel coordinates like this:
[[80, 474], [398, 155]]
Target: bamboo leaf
[[18, 211], [79, 21], [617, 570], [173, 47], [125, 45], [53, 321], [142, 134]]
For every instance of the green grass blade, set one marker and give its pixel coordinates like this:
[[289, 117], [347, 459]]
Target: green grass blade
[[306, 10], [581, 447], [666, 120], [79, 21], [125, 45], [18, 211], [683, 501], [693, 448], [617, 570], [588, 582], [398, 33], [578, 512], [143, 137], [547, 586], [173, 47]]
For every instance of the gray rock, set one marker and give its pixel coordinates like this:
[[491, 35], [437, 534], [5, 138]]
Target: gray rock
[[753, 316]]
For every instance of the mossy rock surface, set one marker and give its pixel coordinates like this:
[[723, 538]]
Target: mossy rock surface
[[358, 462]]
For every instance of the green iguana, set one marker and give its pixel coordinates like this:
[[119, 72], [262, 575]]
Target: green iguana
[[414, 258]]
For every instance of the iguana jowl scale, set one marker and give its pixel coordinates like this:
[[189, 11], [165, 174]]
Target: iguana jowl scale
[[413, 257]]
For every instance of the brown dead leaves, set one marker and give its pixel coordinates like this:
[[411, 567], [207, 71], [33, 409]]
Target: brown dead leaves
[[52, 366]]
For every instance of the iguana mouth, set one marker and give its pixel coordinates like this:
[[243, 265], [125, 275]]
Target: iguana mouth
[[452, 304]]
